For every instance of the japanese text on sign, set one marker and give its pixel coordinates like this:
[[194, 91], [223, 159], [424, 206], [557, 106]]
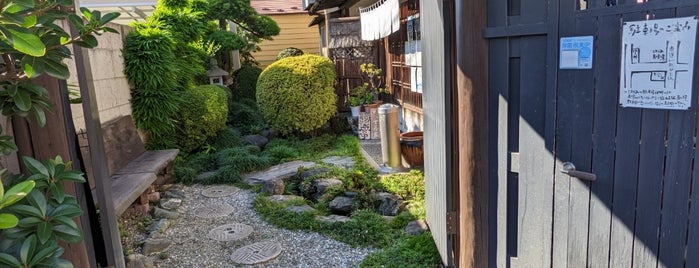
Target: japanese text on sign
[[657, 63]]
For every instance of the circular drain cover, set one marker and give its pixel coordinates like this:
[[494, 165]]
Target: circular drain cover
[[230, 232], [213, 211], [257, 253], [219, 191]]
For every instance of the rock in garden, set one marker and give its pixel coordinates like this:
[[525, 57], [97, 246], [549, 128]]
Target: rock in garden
[[351, 194], [268, 133], [154, 245], [300, 209], [171, 204], [342, 205], [159, 226], [154, 197], [281, 171], [416, 227], [205, 175], [164, 214], [332, 218], [283, 198], [138, 261], [340, 161], [390, 204], [174, 193], [273, 187], [323, 185], [257, 140], [310, 173]]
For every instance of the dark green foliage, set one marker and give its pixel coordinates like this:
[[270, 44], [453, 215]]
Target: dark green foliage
[[289, 52], [202, 162], [243, 159], [225, 174], [184, 24], [184, 174], [229, 137], [409, 251], [244, 114], [241, 13], [281, 153], [245, 84], [226, 39], [297, 94], [202, 115]]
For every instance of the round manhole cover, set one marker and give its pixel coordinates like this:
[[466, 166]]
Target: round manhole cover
[[230, 232], [257, 253], [219, 191], [213, 211]]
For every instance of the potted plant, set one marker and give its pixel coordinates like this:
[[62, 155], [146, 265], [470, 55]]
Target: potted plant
[[374, 86], [360, 95]]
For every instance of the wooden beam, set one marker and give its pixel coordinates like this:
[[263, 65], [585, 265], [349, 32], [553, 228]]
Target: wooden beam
[[471, 112], [110, 230]]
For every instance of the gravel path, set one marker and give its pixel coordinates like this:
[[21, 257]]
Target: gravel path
[[192, 248]]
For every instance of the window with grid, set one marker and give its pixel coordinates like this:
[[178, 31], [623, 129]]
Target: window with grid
[[405, 64]]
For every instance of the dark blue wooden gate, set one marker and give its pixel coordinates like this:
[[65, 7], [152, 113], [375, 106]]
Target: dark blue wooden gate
[[639, 210]]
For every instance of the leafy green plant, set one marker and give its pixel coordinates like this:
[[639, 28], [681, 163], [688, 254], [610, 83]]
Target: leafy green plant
[[407, 186], [46, 217], [409, 251], [361, 95], [202, 116], [14, 194], [245, 83], [289, 52], [296, 94]]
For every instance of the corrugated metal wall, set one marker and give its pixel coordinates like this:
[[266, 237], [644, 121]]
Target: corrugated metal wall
[[294, 32], [434, 122]]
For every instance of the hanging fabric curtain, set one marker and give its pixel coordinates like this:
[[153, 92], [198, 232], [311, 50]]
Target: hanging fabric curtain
[[380, 19]]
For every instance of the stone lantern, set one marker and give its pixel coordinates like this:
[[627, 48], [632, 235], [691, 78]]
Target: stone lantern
[[216, 75]]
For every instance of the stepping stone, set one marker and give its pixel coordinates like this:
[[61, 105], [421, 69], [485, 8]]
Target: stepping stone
[[257, 253], [219, 191], [213, 211], [283, 198], [230, 232], [281, 171], [339, 161]]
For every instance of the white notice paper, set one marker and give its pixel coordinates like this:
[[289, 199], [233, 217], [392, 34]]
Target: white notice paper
[[657, 63]]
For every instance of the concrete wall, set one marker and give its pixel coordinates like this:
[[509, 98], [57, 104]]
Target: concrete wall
[[112, 89], [294, 32]]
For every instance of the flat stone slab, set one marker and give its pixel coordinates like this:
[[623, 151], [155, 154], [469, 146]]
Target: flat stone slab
[[213, 211], [230, 232], [219, 191], [300, 209], [332, 218], [340, 161], [284, 198], [257, 253], [281, 171]]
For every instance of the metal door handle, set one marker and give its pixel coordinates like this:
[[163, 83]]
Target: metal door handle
[[569, 169]]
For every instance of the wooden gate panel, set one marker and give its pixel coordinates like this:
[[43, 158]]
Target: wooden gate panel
[[603, 146]]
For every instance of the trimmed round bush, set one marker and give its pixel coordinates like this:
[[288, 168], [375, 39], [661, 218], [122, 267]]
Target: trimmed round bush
[[289, 52], [246, 81], [202, 115], [296, 94]]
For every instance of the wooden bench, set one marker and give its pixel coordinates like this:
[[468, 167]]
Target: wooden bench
[[132, 169]]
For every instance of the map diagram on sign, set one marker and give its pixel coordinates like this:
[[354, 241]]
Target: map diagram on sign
[[657, 63]]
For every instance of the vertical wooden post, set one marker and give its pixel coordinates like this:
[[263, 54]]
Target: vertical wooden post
[[108, 218], [472, 136]]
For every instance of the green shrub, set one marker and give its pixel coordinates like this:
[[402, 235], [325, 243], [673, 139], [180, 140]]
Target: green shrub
[[289, 52], [281, 153], [244, 114], [229, 137], [149, 66], [409, 251], [202, 116], [408, 186], [243, 159], [296, 94], [245, 82]]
